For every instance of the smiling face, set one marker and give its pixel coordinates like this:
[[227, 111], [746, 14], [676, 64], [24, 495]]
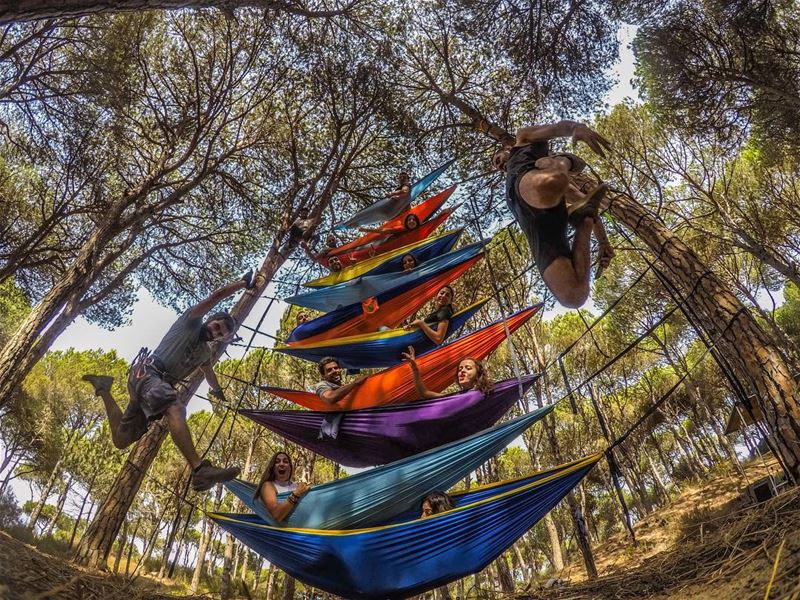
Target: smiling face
[[334, 264], [466, 374], [332, 373], [500, 158], [403, 179], [409, 262], [412, 222], [444, 296], [283, 468]]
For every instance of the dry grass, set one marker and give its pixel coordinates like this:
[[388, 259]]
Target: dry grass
[[28, 574], [703, 546]]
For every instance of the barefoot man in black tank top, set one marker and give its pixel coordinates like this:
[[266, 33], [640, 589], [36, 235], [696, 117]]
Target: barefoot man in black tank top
[[544, 202]]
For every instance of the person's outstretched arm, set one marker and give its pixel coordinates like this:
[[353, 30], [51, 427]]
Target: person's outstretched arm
[[578, 131], [334, 396], [423, 392], [202, 307]]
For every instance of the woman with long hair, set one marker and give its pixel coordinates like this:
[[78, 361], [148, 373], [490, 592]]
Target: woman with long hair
[[470, 375], [277, 479]]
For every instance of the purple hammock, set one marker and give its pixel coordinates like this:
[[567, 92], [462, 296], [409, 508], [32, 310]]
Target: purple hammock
[[377, 436]]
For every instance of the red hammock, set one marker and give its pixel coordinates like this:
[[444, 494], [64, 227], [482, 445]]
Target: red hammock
[[372, 244], [437, 368]]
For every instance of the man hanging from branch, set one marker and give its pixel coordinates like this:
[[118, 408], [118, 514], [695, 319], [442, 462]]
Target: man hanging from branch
[[544, 202], [152, 378]]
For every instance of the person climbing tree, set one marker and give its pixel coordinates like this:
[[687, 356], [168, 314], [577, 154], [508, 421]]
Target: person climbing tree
[[544, 201], [153, 376]]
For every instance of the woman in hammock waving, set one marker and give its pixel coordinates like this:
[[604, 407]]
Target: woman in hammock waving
[[470, 375]]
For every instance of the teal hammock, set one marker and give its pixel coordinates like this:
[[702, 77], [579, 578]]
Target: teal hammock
[[410, 555], [376, 496]]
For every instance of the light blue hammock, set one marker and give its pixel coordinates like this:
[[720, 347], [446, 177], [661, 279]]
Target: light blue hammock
[[377, 496], [388, 208], [357, 290], [412, 555]]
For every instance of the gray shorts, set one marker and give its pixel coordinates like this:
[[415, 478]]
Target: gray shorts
[[150, 396]]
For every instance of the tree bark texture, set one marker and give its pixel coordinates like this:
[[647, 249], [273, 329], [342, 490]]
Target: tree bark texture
[[756, 361]]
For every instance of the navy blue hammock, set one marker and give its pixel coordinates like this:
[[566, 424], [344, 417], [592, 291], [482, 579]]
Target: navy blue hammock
[[408, 555]]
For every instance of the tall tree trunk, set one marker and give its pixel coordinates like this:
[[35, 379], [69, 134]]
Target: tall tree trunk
[[80, 511], [289, 586], [62, 498], [225, 588], [201, 556], [504, 577], [131, 546], [755, 360], [123, 538], [96, 544], [46, 490], [271, 580]]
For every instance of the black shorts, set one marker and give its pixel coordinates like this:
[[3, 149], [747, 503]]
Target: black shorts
[[546, 230], [150, 396]]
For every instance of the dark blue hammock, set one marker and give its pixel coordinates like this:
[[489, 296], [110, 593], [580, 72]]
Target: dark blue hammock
[[378, 350], [357, 290], [388, 208], [411, 555]]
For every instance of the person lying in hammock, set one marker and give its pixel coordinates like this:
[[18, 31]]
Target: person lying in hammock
[[544, 201], [410, 223], [470, 375], [152, 378], [330, 388], [440, 317], [277, 479], [409, 262], [435, 503]]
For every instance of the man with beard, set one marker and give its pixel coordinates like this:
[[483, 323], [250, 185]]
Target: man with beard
[[187, 346], [330, 390]]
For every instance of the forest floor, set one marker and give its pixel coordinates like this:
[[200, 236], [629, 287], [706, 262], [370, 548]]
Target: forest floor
[[705, 545], [29, 574]]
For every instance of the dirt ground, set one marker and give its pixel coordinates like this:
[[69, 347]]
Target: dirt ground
[[706, 545], [28, 574]]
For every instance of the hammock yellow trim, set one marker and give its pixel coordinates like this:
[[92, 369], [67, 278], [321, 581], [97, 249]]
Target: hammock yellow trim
[[367, 337], [576, 465], [367, 265]]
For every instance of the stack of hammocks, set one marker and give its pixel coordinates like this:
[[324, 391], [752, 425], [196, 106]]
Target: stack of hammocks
[[361, 536]]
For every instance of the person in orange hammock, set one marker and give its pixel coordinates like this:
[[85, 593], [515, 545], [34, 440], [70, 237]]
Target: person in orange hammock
[[470, 375], [440, 318], [410, 223]]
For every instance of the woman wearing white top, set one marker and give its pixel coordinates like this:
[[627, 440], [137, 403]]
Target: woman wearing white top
[[277, 479]]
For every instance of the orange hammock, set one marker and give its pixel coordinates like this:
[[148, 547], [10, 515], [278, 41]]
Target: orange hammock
[[437, 367], [422, 211], [390, 312]]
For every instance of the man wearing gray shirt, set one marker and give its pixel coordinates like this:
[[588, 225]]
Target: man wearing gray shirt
[[152, 378], [330, 390]]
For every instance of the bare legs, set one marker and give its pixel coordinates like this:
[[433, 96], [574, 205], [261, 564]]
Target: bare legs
[[125, 436], [179, 430], [543, 188]]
